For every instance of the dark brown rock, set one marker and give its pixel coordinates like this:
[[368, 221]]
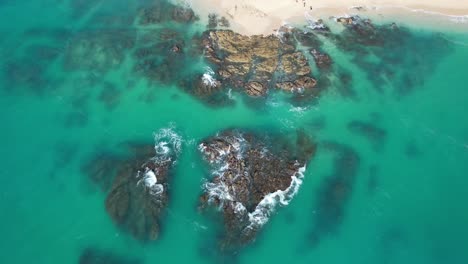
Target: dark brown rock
[[139, 193], [183, 14], [300, 85], [255, 89], [247, 168], [322, 60], [250, 62]]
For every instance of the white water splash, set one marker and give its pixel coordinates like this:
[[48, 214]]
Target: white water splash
[[208, 78], [267, 205], [167, 143], [220, 192]]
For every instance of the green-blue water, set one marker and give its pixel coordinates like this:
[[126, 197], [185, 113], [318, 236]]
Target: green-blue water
[[408, 199]]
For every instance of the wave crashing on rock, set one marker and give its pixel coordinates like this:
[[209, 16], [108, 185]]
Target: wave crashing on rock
[[250, 179]]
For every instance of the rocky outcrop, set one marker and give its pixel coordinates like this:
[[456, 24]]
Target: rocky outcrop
[[361, 31], [215, 21], [254, 64], [322, 60], [255, 89], [138, 195], [298, 85], [251, 176]]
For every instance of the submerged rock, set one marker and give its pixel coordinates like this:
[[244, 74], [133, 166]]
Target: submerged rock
[[98, 51], [375, 134], [335, 192], [393, 57], [93, 255], [138, 195], [250, 178], [163, 11], [322, 60]]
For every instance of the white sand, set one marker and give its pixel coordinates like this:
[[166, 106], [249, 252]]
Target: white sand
[[264, 16]]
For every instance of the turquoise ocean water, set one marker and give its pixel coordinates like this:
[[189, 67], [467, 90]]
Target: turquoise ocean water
[[406, 201]]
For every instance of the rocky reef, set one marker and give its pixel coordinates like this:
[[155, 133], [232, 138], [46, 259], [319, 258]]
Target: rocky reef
[[163, 11], [256, 64], [252, 175], [372, 132], [93, 255], [396, 47], [98, 51], [138, 184], [334, 194]]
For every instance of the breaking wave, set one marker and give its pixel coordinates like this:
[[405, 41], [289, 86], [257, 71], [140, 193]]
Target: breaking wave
[[267, 205], [168, 144], [208, 77]]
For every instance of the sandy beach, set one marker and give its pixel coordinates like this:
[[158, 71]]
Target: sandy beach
[[252, 17]]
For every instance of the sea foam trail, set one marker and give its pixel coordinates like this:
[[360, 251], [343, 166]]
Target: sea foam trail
[[266, 207]]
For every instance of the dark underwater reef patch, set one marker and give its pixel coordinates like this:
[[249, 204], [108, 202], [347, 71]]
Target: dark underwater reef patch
[[404, 58], [372, 132], [25, 75], [137, 183], [94, 255], [335, 192], [98, 50], [25, 69], [164, 11], [251, 175], [110, 95]]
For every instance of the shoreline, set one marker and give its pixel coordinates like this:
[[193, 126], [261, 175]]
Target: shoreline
[[261, 17]]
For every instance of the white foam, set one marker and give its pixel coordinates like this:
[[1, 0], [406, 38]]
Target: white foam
[[217, 191], [157, 189], [167, 142], [267, 205], [208, 77], [150, 178], [229, 94]]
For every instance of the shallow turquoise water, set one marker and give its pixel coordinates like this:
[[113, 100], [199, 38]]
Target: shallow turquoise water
[[407, 203]]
